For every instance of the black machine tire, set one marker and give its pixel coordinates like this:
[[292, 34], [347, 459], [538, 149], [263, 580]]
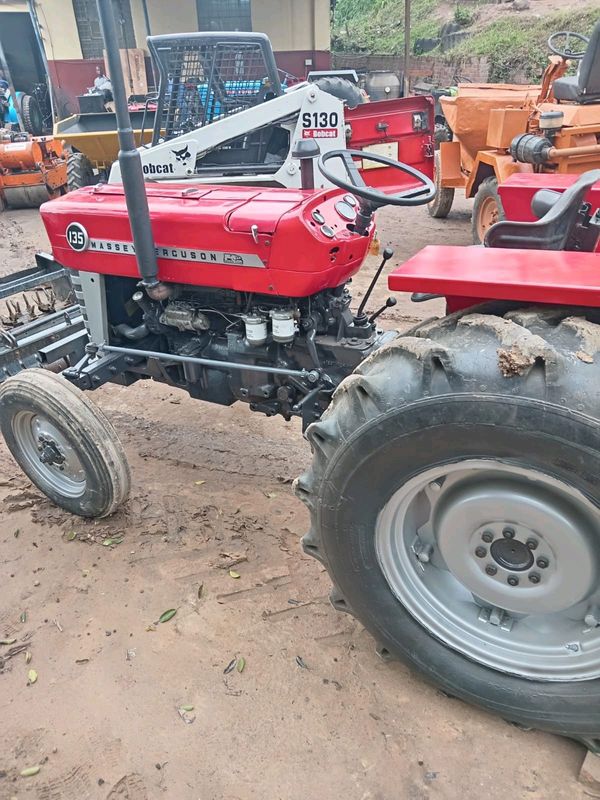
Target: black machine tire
[[97, 474], [31, 114], [441, 131], [440, 206], [519, 386], [79, 171], [487, 202], [346, 91]]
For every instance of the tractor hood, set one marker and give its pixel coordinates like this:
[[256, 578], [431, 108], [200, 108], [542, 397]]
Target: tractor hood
[[211, 235]]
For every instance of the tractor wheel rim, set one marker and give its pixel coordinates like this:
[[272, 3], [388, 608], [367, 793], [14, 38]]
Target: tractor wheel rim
[[499, 562], [489, 214], [50, 456]]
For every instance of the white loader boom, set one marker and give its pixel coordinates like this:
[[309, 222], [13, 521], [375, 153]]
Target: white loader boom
[[304, 111]]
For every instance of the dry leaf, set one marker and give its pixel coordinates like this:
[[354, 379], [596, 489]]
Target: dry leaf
[[167, 615], [199, 483], [28, 657], [230, 667], [241, 663], [32, 676], [234, 574]]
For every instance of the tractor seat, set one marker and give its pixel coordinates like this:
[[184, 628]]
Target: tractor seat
[[585, 86], [553, 230]]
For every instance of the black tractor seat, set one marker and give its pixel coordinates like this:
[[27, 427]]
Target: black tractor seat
[[585, 86], [559, 214]]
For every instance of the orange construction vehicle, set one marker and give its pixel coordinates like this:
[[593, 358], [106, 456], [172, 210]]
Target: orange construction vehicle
[[500, 129], [32, 169]]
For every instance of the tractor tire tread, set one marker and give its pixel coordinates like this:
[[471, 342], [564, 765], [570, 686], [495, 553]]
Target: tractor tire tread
[[546, 355], [28, 106], [441, 205], [80, 172], [343, 89]]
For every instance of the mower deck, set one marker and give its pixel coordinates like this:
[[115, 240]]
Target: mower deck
[[501, 274]]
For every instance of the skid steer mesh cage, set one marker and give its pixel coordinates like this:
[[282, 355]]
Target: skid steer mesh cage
[[205, 76]]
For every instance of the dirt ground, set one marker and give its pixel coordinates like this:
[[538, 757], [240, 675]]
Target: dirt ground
[[313, 715]]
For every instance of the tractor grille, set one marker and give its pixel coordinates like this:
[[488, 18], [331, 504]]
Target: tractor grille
[[206, 76]]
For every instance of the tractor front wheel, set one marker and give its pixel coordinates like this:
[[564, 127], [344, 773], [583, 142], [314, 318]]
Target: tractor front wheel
[[63, 443], [454, 500], [487, 209]]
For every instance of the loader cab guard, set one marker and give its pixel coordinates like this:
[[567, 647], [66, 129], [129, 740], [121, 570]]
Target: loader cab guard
[[204, 76]]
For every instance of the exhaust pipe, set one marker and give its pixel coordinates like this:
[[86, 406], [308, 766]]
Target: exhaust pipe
[[130, 163]]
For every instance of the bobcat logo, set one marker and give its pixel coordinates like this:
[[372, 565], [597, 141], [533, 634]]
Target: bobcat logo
[[182, 155]]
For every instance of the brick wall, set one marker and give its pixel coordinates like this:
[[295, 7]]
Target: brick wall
[[439, 70]]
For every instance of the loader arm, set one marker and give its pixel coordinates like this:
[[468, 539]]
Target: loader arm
[[303, 112]]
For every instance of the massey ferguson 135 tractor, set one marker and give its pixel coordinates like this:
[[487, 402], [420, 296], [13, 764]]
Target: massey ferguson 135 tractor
[[454, 491]]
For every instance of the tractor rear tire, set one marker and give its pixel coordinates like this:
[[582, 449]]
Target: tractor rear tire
[[80, 172], [31, 114], [454, 497], [63, 443], [344, 90], [440, 206], [487, 209]]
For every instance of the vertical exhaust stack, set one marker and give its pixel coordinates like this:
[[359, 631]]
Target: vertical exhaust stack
[[130, 163]]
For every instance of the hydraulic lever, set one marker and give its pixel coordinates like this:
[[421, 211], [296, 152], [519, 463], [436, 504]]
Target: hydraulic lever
[[360, 316], [389, 303]]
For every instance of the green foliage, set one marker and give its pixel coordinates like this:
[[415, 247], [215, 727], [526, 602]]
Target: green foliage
[[518, 43], [377, 26], [464, 17], [514, 43]]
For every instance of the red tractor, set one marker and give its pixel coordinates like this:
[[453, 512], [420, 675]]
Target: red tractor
[[454, 492]]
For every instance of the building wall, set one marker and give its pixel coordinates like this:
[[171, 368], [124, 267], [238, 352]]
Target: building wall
[[59, 29], [293, 25], [299, 31], [290, 24], [165, 17]]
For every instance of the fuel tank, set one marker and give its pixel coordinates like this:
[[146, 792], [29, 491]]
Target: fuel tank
[[285, 242]]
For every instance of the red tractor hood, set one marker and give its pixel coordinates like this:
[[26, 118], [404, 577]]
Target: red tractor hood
[[242, 238]]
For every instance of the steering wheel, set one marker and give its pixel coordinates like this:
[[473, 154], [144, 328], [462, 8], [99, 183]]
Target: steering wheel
[[566, 51], [371, 198]]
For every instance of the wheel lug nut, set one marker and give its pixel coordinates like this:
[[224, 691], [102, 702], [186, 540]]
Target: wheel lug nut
[[480, 552], [542, 562], [487, 536], [508, 533], [512, 580], [534, 577], [531, 544], [491, 569]]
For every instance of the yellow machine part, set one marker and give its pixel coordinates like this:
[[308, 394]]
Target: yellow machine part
[[100, 146]]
